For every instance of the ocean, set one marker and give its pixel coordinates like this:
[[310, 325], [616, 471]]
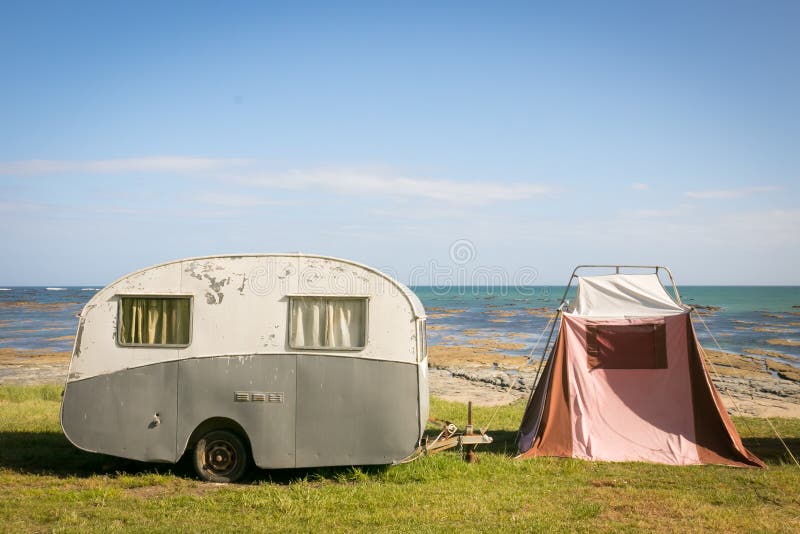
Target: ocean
[[742, 318]]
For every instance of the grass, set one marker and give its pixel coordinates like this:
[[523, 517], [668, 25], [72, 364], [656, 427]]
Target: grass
[[48, 485]]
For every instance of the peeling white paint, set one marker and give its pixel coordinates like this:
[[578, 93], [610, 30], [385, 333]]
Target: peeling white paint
[[255, 320]]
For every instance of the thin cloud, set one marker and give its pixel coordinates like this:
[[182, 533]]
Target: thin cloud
[[639, 186], [355, 181], [367, 182], [157, 164], [23, 207], [731, 193], [229, 200], [651, 213]]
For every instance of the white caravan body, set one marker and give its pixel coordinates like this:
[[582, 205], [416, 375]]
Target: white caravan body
[[313, 361]]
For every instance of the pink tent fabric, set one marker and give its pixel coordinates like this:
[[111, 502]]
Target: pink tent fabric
[[630, 389]]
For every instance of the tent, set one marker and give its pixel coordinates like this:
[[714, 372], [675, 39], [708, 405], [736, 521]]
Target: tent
[[625, 381]]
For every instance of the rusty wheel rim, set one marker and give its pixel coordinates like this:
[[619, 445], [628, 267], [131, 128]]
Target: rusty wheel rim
[[220, 457]]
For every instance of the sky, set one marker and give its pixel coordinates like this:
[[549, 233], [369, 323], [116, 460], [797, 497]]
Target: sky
[[431, 140]]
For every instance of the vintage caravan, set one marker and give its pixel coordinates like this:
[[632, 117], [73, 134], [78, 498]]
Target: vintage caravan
[[292, 360]]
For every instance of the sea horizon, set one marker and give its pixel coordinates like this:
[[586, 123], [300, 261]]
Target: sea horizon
[[411, 286], [746, 319]]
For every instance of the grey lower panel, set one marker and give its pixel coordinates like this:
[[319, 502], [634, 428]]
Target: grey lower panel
[[424, 396], [300, 410], [206, 390], [353, 411], [116, 414]]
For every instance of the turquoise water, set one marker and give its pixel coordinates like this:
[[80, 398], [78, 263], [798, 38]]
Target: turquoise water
[[36, 317], [744, 299], [503, 313], [42, 319]]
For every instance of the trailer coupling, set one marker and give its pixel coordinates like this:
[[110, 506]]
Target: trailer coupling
[[449, 438]]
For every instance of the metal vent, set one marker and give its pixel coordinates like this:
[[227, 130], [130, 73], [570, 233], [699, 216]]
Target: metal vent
[[255, 396]]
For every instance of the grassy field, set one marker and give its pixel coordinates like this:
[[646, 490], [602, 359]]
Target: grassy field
[[48, 485]]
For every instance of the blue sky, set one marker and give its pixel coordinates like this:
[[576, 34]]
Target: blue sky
[[544, 135]]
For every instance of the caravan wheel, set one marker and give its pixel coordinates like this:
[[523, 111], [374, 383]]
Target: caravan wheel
[[220, 456]]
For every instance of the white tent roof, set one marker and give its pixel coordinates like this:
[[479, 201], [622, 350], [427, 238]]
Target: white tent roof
[[623, 295]]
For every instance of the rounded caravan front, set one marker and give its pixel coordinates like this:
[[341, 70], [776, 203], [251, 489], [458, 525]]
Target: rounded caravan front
[[297, 360]]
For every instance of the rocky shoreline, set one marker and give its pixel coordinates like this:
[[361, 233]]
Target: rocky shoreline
[[21, 367], [749, 385]]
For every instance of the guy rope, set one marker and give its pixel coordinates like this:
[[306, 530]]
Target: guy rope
[[739, 411]]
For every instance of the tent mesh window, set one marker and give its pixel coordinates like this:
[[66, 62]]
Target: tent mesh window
[[154, 321], [641, 346]]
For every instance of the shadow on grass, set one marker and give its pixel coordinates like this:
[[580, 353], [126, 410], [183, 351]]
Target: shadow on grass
[[503, 442], [49, 453], [771, 450]]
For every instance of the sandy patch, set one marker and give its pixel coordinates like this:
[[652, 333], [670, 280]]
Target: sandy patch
[[540, 312], [784, 370], [31, 357], [764, 397], [444, 385], [745, 382], [32, 366], [784, 342], [705, 310], [502, 313], [726, 363], [515, 335], [37, 330], [61, 338], [489, 334], [496, 346], [42, 306], [772, 329], [454, 356], [772, 354]]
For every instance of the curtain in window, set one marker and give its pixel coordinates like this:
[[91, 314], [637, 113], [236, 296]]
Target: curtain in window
[[308, 323], [346, 323], [154, 321], [328, 323]]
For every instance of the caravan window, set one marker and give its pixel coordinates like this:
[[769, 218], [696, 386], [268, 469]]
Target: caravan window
[[327, 323], [154, 321]]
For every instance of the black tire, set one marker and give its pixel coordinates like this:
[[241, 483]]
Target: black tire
[[220, 456]]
